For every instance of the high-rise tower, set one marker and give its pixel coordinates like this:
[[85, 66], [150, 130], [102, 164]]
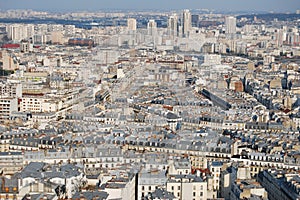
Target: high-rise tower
[[131, 24], [230, 25], [186, 23], [152, 27], [173, 25]]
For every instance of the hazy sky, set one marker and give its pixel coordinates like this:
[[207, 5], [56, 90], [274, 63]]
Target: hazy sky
[[94, 5]]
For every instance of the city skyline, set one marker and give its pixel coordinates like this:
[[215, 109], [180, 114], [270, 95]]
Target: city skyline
[[93, 5]]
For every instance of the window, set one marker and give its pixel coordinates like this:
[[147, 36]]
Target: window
[[194, 194]]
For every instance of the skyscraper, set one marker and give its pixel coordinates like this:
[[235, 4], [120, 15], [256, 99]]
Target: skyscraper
[[186, 23], [173, 25], [230, 25], [152, 27], [131, 24]]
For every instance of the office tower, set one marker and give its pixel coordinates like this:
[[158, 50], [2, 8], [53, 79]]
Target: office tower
[[131, 24], [152, 27], [230, 25], [173, 25], [186, 23]]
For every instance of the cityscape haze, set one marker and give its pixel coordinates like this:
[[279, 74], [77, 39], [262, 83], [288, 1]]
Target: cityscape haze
[[149, 100], [96, 5]]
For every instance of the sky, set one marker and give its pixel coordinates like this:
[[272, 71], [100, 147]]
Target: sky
[[96, 5]]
